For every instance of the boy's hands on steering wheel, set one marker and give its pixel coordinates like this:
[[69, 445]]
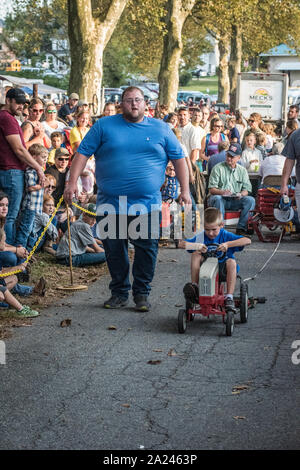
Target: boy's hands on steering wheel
[[223, 247]]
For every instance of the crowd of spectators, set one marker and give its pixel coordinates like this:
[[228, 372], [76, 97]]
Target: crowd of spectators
[[38, 140]]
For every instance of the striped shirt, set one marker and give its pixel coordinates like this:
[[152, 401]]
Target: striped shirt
[[33, 200]]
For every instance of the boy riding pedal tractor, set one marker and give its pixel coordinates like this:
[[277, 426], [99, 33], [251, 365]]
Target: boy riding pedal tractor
[[217, 238]]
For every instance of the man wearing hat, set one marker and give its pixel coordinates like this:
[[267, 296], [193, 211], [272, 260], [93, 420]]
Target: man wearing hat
[[59, 170], [14, 158], [67, 111], [229, 186]]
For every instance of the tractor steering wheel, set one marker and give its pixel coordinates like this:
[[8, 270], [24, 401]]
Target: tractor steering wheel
[[213, 252]]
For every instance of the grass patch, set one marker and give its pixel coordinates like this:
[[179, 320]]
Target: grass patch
[[55, 275], [203, 84]]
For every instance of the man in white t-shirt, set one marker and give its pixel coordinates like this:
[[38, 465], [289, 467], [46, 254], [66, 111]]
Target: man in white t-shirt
[[189, 134], [274, 163]]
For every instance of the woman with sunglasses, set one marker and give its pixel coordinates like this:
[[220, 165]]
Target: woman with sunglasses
[[51, 124], [210, 143], [33, 130], [255, 127]]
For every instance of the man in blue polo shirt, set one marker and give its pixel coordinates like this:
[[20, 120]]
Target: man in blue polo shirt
[[131, 153]]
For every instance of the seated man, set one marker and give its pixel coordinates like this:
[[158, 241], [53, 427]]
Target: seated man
[[273, 165], [229, 186]]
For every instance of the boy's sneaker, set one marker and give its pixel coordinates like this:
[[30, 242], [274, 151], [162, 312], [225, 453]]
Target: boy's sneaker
[[141, 303], [191, 292], [229, 304], [27, 312], [115, 302]]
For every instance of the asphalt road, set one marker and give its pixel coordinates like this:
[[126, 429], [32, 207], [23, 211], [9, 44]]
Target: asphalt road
[[91, 386]]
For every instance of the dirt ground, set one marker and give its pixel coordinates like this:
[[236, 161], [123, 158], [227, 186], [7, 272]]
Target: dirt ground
[[55, 276]]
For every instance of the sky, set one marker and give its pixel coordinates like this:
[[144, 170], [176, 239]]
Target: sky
[[5, 6]]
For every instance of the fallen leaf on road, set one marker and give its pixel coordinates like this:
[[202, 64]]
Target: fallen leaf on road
[[157, 350], [125, 405], [173, 260], [154, 362], [112, 327], [178, 305], [239, 388], [66, 322], [239, 417], [172, 352]]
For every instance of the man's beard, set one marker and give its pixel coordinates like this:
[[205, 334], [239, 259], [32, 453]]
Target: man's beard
[[129, 117]]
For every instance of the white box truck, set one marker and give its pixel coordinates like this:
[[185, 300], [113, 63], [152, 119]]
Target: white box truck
[[263, 93]]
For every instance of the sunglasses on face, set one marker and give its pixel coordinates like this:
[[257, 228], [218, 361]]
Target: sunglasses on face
[[51, 111], [51, 186], [61, 159], [251, 120], [218, 126], [37, 110]]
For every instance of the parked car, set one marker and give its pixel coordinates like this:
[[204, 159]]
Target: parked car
[[152, 86], [194, 96]]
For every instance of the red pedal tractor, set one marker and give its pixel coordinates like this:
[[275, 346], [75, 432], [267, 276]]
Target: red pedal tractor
[[211, 296]]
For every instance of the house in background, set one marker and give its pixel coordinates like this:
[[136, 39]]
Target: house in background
[[59, 58], [284, 59]]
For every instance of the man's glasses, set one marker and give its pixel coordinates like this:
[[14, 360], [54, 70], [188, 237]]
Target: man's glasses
[[37, 110], [51, 186], [51, 111], [61, 159], [133, 100]]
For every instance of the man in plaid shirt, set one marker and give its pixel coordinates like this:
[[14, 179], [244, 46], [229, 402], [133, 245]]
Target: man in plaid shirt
[[33, 199]]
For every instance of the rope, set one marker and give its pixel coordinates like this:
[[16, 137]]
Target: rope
[[268, 260], [83, 209]]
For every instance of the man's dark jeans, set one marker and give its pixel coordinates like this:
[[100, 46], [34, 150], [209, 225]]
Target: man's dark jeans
[[116, 250]]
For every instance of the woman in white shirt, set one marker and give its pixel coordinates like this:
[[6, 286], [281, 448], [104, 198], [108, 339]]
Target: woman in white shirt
[[51, 124]]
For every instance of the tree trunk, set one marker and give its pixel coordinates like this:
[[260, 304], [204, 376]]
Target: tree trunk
[[177, 12], [88, 36], [223, 76], [235, 61]]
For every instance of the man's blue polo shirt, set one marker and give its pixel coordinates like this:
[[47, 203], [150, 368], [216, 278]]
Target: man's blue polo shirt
[[131, 159]]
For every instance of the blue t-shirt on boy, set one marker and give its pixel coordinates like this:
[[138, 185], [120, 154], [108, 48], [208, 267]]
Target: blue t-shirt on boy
[[222, 237]]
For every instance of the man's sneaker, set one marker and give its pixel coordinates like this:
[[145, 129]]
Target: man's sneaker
[[191, 292], [115, 302], [229, 304], [27, 312], [141, 303], [244, 232]]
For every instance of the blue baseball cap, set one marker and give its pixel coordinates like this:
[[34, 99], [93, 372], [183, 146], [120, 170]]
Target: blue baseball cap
[[235, 150]]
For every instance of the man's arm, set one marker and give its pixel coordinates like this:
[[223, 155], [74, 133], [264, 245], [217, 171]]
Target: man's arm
[[77, 167], [22, 153], [286, 173], [182, 175]]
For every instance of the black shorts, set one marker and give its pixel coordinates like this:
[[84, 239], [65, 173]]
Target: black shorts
[[222, 272]]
